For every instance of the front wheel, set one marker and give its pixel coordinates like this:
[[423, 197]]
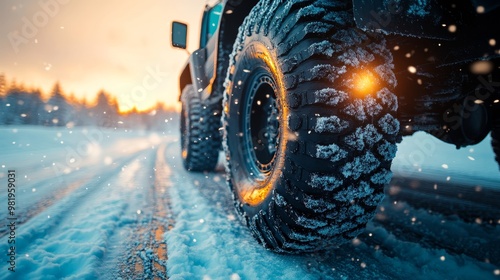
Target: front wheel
[[309, 124]]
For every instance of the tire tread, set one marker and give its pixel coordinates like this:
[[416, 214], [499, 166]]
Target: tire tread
[[324, 198], [204, 139]]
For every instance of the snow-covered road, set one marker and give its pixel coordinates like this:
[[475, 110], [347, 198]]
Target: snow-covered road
[[95, 203]]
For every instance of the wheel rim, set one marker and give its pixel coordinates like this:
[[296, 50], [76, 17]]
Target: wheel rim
[[256, 132], [261, 124]]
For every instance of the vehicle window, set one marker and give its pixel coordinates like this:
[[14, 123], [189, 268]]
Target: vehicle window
[[213, 20]]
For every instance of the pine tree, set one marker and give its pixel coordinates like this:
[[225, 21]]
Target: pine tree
[[2, 98], [105, 111], [33, 103], [13, 107], [57, 111]]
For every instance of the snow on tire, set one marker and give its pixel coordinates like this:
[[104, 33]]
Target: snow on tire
[[309, 124], [200, 137]]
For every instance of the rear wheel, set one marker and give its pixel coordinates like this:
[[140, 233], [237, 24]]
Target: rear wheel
[[200, 137], [309, 124]]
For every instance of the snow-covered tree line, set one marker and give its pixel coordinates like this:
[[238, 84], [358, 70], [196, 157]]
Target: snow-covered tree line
[[21, 106]]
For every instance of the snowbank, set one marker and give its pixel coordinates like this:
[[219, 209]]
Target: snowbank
[[424, 156]]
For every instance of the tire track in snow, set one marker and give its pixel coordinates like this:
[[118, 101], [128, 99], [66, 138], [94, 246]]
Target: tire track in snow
[[27, 213], [60, 209], [478, 203], [43, 187], [446, 216], [433, 230], [383, 251], [147, 259], [75, 234], [59, 190], [162, 219], [405, 240]]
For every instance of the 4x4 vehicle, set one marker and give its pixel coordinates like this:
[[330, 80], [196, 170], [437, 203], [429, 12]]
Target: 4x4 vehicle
[[313, 95]]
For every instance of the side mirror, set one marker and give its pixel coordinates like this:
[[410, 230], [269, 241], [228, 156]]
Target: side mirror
[[179, 35]]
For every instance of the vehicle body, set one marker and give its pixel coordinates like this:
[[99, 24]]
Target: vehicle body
[[315, 94]]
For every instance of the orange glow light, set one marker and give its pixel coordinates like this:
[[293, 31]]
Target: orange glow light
[[364, 83]]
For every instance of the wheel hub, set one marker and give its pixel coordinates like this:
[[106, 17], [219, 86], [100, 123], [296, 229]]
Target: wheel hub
[[261, 123]]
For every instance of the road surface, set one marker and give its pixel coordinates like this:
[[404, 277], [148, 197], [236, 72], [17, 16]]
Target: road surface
[[96, 203]]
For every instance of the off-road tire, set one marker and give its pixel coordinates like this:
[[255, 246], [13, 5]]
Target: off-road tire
[[200, 136], [333, 149]]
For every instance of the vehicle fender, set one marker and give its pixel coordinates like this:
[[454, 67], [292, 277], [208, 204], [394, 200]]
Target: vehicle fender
[[184, 79], [194, 72], [233, 14], [197, 69]]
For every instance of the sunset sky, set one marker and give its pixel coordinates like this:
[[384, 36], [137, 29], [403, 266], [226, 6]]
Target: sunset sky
[[121, 46]]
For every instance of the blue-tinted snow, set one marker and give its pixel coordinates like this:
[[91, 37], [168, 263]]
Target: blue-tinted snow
[[387, 150], [356, 109], [325, 71], [372, 106], [388, 99], [386, 72], [331, 124], [363, 135], [76, 188], [381, 178], [419, 8], [331, 152], [360, 165], [356, 57], [330, 96], [324, 47], [422, 155], [354, 192], [220, 247], [324, 182], [389, 124], [318, 205], [308, 11], [73, 237]]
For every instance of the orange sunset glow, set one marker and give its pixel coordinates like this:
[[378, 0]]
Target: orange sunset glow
[[122, 47]]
